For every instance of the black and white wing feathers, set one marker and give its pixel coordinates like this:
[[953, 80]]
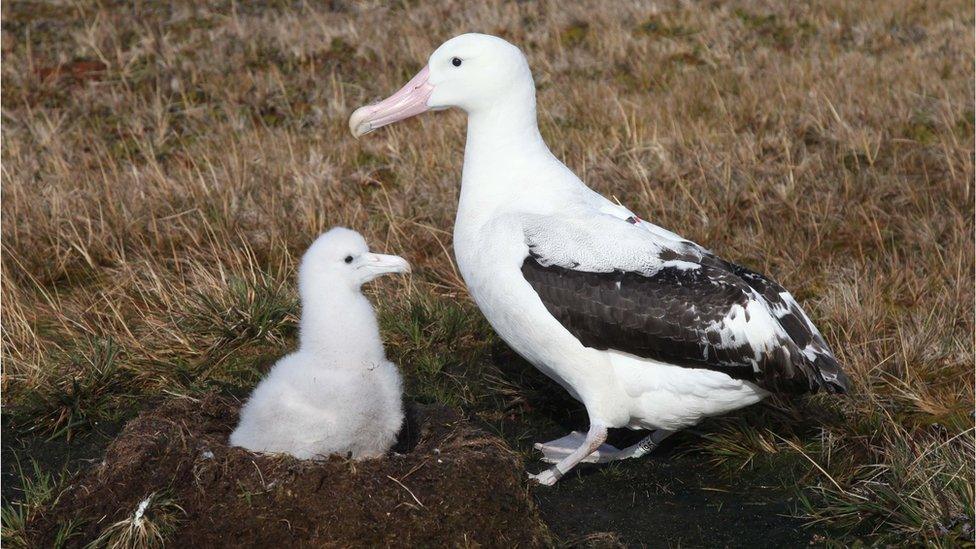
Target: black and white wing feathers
[[797, 324], [616, 284]]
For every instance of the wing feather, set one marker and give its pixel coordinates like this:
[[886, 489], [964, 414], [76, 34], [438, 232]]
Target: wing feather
[[615, 285]]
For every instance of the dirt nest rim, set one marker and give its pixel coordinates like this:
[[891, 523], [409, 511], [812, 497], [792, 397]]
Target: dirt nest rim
[[171, 476]]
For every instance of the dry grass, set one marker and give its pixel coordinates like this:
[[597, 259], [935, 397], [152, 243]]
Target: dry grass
[[147, 527], [164, 167]]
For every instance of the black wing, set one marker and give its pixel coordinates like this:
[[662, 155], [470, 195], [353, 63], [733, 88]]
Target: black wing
[[686, 315]]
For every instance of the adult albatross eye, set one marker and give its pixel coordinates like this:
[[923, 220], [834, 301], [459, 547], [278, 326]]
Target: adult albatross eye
[[348, 259], [456, 62]]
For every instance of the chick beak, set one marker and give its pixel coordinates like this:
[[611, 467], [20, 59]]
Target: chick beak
[[376, 265]]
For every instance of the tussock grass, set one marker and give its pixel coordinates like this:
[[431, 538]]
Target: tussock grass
[[164, 166], [147, 527], [914, 489], [85, 392]]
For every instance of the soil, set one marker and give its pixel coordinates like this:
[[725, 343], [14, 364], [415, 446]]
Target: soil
[[666, 499], [673, 497], [52, 455], [451, 484], [469, 489]]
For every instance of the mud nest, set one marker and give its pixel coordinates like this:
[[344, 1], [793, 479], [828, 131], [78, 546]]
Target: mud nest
[[449, 484]]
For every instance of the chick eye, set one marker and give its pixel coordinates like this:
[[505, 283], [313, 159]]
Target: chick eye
[[456, 62], [348, 259]]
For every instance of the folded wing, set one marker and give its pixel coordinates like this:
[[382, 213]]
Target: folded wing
[[617, 284]]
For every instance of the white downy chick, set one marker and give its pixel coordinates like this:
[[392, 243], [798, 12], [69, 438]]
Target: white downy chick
[[337, 394]]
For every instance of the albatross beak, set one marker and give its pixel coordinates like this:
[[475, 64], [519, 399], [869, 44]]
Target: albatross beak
[[409, 101], [374, 265]]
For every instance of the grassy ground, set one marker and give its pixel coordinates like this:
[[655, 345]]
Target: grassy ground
[[164, 168]]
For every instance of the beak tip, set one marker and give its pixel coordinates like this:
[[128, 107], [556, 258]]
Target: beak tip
[[358, 126], [405, 266], [360, 130]]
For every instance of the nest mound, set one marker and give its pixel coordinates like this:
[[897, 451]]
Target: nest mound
[[451, 484]]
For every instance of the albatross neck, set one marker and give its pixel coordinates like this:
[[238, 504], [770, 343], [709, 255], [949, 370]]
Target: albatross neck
[[507, 125], [339, 327], [506, 157]]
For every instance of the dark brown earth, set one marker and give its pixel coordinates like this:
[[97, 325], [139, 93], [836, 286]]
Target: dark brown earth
[[452, 485], [675, 496], [672, 498]]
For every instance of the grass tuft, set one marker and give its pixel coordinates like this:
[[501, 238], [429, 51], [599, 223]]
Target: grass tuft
[[245, 311], [915, 487], [147, 527], [89, 394]]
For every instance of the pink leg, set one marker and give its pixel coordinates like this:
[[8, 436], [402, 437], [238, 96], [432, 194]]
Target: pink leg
[[594, 438]]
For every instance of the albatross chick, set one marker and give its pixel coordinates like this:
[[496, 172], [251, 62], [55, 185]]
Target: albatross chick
[[337, 394]]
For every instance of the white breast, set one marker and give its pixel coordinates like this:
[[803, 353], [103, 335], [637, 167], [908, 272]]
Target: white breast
[[489, 257]]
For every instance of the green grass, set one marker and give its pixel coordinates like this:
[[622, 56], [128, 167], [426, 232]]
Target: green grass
[[94, 391], [39, 490]]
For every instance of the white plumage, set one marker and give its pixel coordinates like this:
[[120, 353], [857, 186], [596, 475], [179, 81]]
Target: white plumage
[[337, 394], [646, 329]]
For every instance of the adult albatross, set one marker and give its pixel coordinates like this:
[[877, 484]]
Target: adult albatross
[[646, 329]]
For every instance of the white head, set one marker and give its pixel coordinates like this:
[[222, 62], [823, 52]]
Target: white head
[[473, 72], [340, 259]]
